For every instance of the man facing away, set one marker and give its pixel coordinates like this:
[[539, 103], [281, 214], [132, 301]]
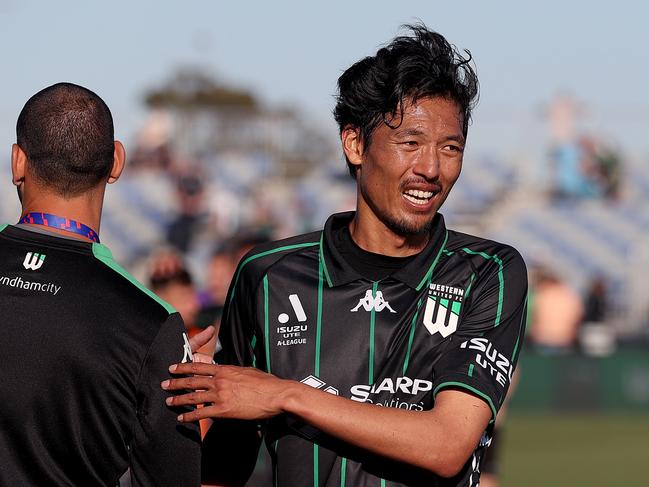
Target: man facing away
[[84, 346], [378, 350]]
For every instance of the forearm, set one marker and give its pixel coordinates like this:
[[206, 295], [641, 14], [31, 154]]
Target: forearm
[[431, 439]]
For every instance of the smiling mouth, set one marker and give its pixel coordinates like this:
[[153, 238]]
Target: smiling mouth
[[418, 197]]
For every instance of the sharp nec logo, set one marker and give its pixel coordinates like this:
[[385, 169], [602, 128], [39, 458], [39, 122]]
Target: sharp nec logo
[[316, 383], [33, 261], [396, 388], [442, 311], [291, 334], [490, 359], [187, 350], [370, 302]]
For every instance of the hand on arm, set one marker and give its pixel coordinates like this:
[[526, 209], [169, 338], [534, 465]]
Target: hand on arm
[[439, 440]]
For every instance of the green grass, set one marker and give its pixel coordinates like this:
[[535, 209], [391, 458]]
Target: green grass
[[576, 450]]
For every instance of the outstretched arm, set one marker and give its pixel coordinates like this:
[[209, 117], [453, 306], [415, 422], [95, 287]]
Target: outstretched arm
[[440, 440]]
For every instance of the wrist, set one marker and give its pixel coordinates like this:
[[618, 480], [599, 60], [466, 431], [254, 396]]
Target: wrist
[[288, 399]]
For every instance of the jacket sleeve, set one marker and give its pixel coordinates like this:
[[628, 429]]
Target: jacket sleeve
[[163, 452], [481, 356]]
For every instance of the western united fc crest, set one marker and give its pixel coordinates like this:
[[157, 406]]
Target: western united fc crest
[[442, 311]]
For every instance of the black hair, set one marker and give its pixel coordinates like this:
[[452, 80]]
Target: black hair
[[66, 131], [422, 64]]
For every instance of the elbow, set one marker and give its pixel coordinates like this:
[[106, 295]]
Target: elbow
[[448, 464]]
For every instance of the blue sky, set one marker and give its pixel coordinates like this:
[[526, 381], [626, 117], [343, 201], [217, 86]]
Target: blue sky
[[291, 53]]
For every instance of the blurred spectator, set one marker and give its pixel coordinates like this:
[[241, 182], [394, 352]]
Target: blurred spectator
[[191, 215], [221, 270], [596, 337], [170, 280], [596, 308], [556, 313]]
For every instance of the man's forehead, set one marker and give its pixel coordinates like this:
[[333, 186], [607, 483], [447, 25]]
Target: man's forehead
[[417, 114]]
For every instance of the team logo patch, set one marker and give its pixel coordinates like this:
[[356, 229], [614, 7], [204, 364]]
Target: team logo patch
[[442, 311], [33, 261], [292, 333], [370, 302]]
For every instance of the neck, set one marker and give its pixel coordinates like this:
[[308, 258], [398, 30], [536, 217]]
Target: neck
[[373, 235], [84, 209]]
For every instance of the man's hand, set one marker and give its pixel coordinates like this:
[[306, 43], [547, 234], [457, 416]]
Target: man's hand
[[226, 391]]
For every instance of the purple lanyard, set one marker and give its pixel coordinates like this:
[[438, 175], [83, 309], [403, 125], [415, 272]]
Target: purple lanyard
[[61, 223]]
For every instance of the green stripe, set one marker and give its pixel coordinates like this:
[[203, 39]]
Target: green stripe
[[470, 372], [318, 329], [266, 338], [253, 343], [102, 253], [501, 280], [468, 289], [263, 254], [316, 476], [382, 482], [432, 266], [322, 260], [520, 328], [472, 389], [343, 472], [3, 226], [413, 324], [375, 286]]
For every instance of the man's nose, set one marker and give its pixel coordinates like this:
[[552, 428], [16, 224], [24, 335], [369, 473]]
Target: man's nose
[[427, 165]]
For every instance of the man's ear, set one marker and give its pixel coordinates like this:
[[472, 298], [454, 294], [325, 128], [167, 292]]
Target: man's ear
[[119, 159], [18, 164], [352, 145]]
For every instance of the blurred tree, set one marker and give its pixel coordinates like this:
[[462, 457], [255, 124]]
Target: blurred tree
[[192, 88]]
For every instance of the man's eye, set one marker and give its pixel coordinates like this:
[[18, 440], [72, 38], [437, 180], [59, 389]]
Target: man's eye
[[454, 148], [411, 143]]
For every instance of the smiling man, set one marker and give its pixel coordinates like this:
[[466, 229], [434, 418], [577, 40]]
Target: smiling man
[[378, 350]]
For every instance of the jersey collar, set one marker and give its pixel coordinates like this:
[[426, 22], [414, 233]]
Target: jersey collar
[[414, 274]]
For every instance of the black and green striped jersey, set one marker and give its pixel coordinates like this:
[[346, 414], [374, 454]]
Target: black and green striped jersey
[[84, 348], [452, 317]]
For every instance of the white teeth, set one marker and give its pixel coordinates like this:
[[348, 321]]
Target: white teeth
[[420, 195], [415, 200]]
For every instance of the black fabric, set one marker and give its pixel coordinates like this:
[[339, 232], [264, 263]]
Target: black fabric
[[368, 264], [84, 351], [452, 317]]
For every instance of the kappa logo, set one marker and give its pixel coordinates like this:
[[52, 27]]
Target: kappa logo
[[33, 261], [370, 302], [442, 311], [316, 383], [187, 350]]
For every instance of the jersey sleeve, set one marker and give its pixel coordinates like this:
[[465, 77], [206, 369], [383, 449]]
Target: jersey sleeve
[[481, 356], [163, 451], [239, 334]]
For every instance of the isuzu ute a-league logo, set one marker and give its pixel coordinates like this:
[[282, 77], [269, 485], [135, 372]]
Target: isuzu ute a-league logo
[[33, 261], [376, 303], [291, 334], [443, 309]]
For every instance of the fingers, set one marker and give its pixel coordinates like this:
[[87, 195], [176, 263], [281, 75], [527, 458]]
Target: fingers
[[195, 368], [192, 398], [186, 383], [200, 339], [200, 413]]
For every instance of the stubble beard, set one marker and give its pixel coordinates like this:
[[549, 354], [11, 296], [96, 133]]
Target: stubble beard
[[405, 228]]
